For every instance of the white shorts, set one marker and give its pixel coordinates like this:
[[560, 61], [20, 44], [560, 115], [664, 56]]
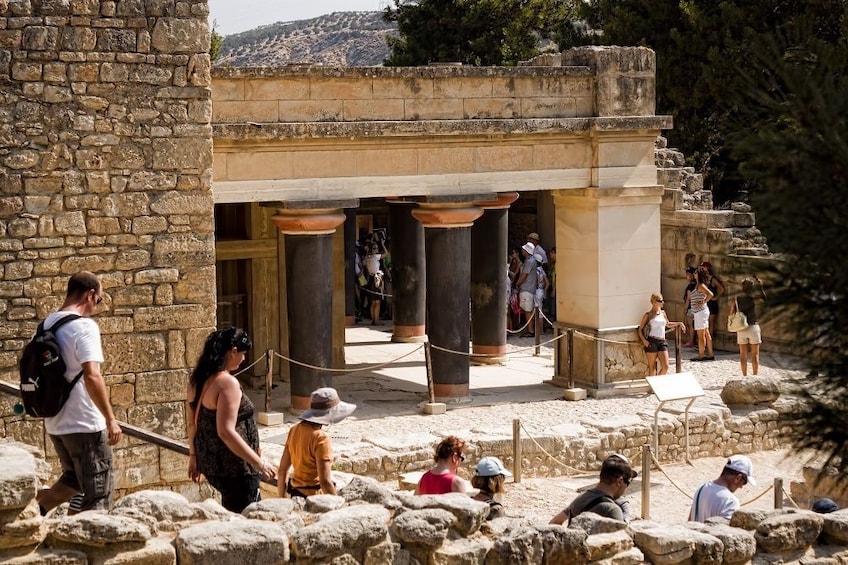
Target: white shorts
[[750, 335], [702, 319], [525, 300]]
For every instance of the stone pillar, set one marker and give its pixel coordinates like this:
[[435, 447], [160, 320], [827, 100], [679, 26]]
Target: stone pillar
[[489, 286], [447, 241], [309, 284], [608, 252], [349, 267], [408, 273]]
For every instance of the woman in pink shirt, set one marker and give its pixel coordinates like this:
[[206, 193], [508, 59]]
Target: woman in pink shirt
[[442, 478]]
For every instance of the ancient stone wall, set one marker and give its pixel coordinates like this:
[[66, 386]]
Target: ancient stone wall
[[581, 447], [370, 524], [693, 230], [105, 165]]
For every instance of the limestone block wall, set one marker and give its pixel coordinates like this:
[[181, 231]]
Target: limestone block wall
[[583, 446], [693, 230], [106, 165], [370, 524]]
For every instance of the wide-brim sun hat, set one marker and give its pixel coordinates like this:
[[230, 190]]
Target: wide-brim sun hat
[[533, 235], [529, 248], [326, 407], [491, 467]]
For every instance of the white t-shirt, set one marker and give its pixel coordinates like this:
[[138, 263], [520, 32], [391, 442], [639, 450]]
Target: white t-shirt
[[80, 343], [713, 500]]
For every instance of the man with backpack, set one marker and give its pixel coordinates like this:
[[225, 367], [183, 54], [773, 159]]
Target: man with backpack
[[85, 426], [602, 499]]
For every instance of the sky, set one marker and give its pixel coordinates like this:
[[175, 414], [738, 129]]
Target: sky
[[234, 16]]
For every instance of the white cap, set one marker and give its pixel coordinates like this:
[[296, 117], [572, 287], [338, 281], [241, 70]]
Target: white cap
[[742, 464], [491, 467]]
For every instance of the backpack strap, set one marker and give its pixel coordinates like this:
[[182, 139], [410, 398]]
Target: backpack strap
[[594, 502], [62, 321], [697, 502]]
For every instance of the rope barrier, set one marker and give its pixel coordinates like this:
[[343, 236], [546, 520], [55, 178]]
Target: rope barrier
[[567, 467], [670, 480], [765, 492], [380, 294], [787, 495], [520, 350], [596, 338], [347, 371], [264, 355], [689, 496], [527, 323]]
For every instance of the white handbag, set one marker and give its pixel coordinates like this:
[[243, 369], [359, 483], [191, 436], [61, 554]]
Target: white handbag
[[737, 321]]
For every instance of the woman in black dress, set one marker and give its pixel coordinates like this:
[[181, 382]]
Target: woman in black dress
[[222, 433]]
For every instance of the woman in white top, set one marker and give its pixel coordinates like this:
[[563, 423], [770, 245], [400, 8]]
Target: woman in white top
[[652, 334]]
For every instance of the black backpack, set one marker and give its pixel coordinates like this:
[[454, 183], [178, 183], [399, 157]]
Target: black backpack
[[44, 389]]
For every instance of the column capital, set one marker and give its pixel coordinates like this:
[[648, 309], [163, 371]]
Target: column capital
[[503, 200], [313, 221], [447, 215]]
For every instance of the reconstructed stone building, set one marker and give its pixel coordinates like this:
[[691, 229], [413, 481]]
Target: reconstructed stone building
[[208, 198]]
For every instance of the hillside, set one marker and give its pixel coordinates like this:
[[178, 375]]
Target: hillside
[[347, 39]]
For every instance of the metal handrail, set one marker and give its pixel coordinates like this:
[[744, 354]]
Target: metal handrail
[[133, 431]]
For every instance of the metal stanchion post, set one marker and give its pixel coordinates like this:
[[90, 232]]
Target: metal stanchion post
[[778, 493], [646, 482], [516, 450]]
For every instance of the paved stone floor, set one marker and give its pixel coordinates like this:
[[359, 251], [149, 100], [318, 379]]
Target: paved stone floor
[[388, 383]]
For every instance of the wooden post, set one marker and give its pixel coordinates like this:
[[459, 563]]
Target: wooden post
[[516, 450], [537, 331], [269, 378], [678, 360], [778, 493], [428, 363], [646, 482], [570, 357]]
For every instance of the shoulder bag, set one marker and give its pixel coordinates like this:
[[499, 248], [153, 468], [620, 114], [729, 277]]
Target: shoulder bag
[[737, 321]]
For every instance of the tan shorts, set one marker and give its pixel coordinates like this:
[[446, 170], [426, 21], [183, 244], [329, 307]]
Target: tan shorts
[[750, 335]]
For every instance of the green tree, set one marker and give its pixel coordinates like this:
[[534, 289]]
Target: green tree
[[699, 44], [794, 153], [472, 32], [215, 43]]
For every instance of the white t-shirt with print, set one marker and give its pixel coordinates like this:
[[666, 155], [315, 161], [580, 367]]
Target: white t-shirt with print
[[713, 500], [79, 341]]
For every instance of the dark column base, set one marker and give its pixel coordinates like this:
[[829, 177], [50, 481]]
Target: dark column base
[[409, 334], [488, 354], [452, 394]]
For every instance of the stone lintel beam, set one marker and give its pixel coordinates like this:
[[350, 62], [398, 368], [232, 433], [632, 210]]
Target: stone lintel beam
[[275, 132], [312, 221], [501, 201], [311, 204], [596, 193]]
